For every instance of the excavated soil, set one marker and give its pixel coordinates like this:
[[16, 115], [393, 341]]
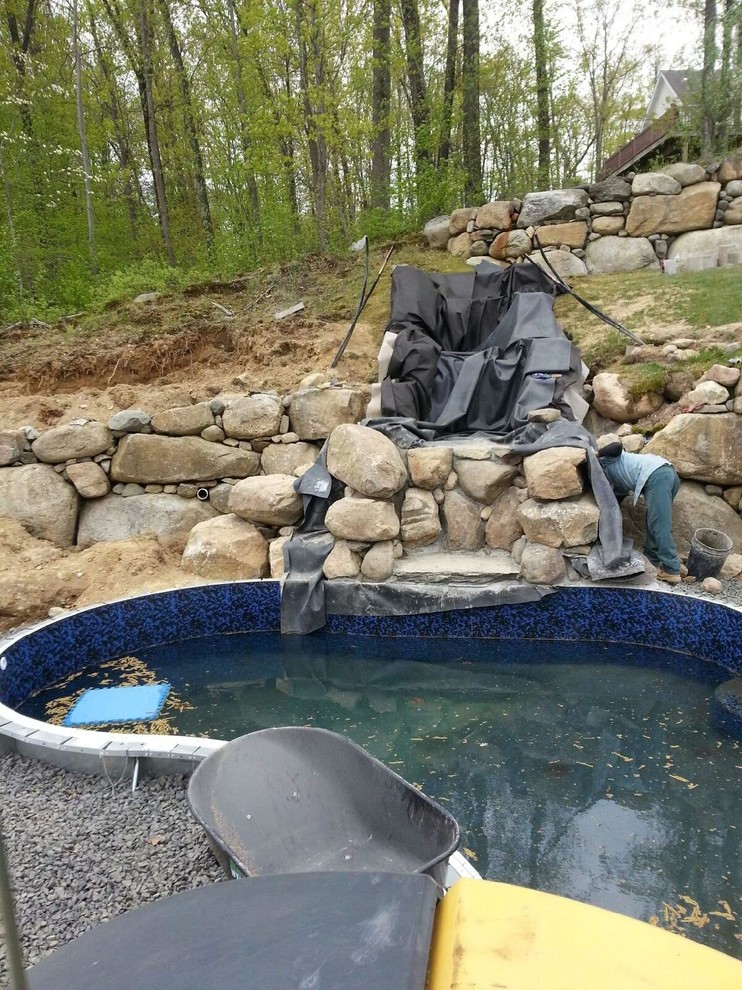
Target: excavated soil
[[37, 575]]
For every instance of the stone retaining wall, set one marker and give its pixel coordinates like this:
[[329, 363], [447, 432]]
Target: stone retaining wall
[[618, 225], [218, 478]]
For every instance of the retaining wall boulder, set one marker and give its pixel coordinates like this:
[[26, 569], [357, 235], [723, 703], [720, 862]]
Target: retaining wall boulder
[[552, 206], [116, 518], [365, 460], [41, 500], [152, 459], [693, 208], [620, 254], [65, 443], [252, 416], [365, 520], [701, 447], [226, 549], [184, 421], [270, 500], [314, 413]]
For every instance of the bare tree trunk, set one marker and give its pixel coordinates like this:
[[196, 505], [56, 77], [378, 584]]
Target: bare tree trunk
[[83, 137], [726, 85], [252, 186], [542, 95], [153, 139], [189, 123], [449, 82], [132, 188], [316, 140], [708, 114], [416, 79], [380, 106], [470, 119], [140, 61]]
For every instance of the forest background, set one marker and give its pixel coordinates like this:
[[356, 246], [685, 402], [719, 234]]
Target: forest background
[[147, 143]]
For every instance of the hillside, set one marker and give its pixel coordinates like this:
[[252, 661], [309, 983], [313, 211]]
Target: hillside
[[184, 346]]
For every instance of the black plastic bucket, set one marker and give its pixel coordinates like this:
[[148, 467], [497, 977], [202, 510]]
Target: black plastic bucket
[[709, 548]]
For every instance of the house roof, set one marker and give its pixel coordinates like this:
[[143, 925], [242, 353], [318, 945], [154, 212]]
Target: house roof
[[680, 79]]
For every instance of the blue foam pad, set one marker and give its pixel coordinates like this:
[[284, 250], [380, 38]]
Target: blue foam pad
[[118, 704]]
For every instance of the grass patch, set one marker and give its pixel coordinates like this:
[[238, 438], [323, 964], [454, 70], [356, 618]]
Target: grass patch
[[646, 379]]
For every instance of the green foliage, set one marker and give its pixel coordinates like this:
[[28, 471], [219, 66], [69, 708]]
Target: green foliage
[[647, 379]]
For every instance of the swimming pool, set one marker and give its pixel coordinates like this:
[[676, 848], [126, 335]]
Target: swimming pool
[[582, 763]]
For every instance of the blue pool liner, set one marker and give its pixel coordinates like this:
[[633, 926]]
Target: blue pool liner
[[118, 704]]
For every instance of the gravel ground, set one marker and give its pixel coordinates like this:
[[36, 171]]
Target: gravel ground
[[81, 852]]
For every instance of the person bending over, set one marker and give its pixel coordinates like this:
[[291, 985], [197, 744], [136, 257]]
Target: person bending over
[[657, 480]]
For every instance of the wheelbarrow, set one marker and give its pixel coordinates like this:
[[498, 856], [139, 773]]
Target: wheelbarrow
[[305, 800]]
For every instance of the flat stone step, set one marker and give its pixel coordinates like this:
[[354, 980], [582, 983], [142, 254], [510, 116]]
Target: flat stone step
[[456, 568]]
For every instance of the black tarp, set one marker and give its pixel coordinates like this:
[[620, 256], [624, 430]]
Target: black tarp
[[476, 352]]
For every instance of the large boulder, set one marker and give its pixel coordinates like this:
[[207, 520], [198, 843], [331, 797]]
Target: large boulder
[[66, 443], [421, 524], [654, 184], [611, 399], [692, 509], [464, 525], [706, 242], [111, 518], [436, 232], [553, 206], [733, 215], [285, 458], [151, 459], [693, 208], [620, 254], [484, 480], [365, 520], [130, 421], [570, 523], [541, 565], [564, 263], [608, 226], [460, 245], [252, 416], [365, 460], [503, 527], [610, 189], [184, 421], [378, 563], [459, 220], [686, 173], [705, 448], [226, 549], [554, 473], [429, 466], [41, 500], [572, 234], [495, 216], [341, 562], [314, 413], [11, 446], [89, 479], [269, 499], [731, 168]]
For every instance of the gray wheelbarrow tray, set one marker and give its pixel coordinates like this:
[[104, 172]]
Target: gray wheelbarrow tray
[[305, 800]]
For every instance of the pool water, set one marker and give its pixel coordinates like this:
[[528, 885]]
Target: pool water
[[589, 770]]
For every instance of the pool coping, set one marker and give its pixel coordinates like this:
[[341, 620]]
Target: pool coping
[[90, 750]]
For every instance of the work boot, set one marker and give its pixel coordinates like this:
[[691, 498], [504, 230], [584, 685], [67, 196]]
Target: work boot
[[662, 575], [683, 570]]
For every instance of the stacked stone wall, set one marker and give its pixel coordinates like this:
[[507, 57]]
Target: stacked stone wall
[[685, 212]]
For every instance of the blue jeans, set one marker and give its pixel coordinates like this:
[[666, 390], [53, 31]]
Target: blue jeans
[[659, 490]]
